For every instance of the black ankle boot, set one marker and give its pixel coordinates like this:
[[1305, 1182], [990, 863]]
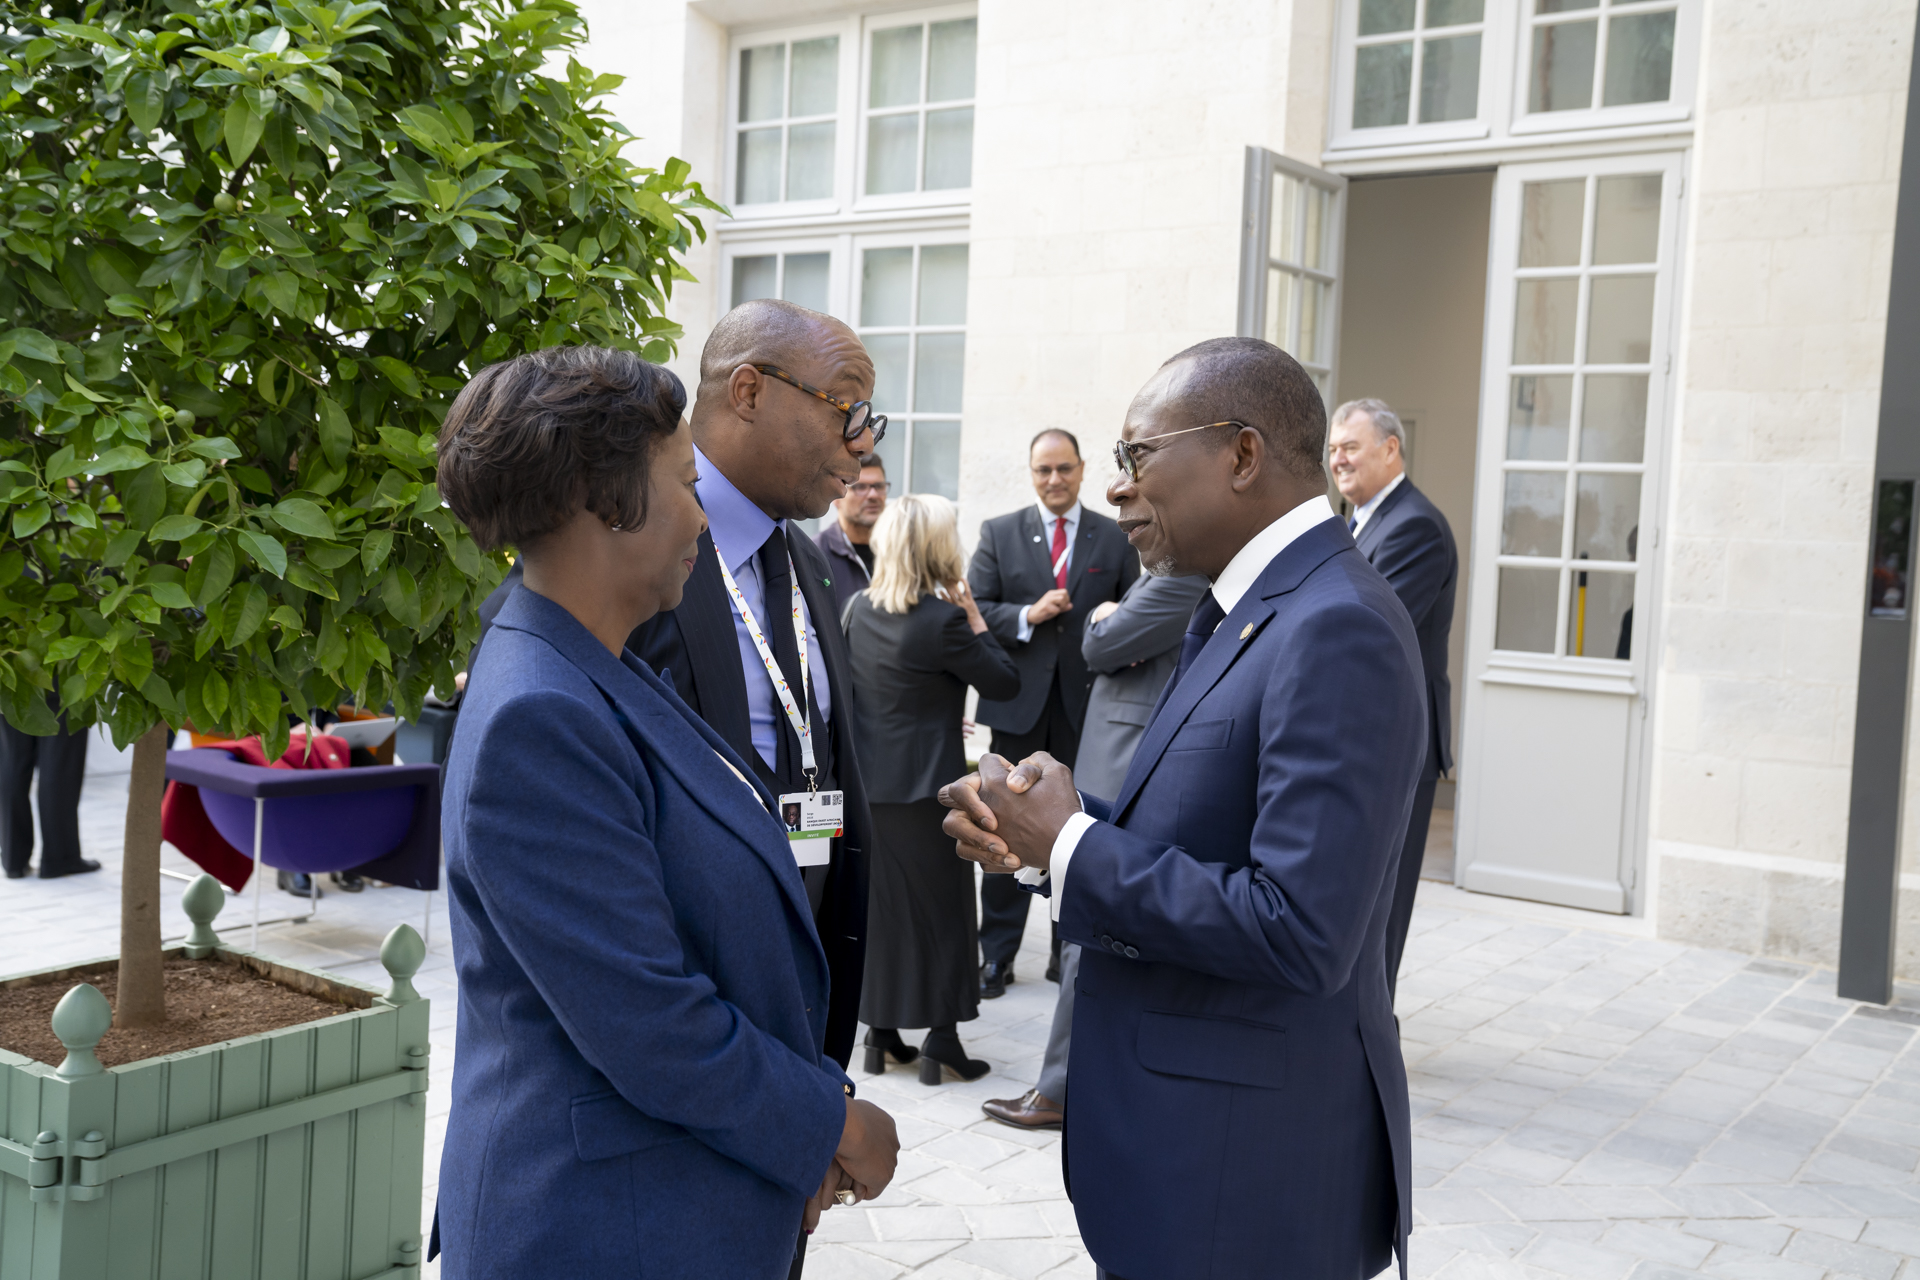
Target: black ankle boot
[[883, 1043], [941, 1052]]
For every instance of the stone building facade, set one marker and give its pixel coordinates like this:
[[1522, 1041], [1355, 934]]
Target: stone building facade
[[1624, 266]]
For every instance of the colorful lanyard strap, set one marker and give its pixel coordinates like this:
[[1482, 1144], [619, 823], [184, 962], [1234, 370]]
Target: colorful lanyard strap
[[801, 722]]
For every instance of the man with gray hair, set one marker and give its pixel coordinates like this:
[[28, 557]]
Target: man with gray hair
[[1404, 536]]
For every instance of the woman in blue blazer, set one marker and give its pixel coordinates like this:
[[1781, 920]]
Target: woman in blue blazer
[[639, 1088]]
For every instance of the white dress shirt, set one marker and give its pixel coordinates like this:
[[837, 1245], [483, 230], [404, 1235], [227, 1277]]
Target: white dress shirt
[[1047, 519], [1229, 588], [1366, 509]]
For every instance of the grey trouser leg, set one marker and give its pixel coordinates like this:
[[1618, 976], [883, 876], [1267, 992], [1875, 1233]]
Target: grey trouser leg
[[1053, 1071]]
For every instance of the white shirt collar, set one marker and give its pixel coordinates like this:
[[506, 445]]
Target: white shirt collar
[[1251, 561], [1047, 517], [1371, 505]]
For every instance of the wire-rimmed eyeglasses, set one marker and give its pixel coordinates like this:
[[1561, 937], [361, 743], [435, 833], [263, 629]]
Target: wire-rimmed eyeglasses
[[860, 414], [1127, 455]]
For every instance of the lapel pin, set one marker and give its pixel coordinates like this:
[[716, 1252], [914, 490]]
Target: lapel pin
[[1246, 631], [1036, 537]]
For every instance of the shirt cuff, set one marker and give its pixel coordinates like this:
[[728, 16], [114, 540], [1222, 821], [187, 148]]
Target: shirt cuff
[[1025, 631], [1064, 845]]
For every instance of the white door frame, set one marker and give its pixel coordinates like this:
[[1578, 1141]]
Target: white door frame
[[1479, 794]]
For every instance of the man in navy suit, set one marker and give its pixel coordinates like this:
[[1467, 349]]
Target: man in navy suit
[[1237, 1105], [1404, 536], [1037, 573]]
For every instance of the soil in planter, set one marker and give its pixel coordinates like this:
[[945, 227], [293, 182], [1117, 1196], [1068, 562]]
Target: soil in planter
[[207, 1002]]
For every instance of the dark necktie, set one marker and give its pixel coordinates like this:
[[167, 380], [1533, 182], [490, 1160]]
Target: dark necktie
[[1353, 522], [776, 580], [1207, 616]]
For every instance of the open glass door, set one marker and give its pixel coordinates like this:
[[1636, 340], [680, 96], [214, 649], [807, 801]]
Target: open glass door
[[1567, 501], [1290, 260]]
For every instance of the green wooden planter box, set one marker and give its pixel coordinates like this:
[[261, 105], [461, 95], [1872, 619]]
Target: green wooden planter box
[[292, 1155]]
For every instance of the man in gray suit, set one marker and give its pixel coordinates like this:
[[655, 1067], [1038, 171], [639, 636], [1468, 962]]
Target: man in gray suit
[[1133, 645]]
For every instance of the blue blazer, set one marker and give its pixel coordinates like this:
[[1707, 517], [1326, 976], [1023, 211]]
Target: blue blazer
[[1237, 1101], [1411, 544], [638, 1087]]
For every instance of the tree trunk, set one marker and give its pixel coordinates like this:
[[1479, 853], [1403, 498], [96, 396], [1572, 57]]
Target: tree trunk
[[143, 995]]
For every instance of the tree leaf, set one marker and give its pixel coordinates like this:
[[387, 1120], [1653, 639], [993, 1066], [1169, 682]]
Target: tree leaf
[[303, 575], [336, 434], [373, 553], [399, 374], [30, 519], [246, 612], [214, 447], [213, 694], [175, 528], [146, 98], [125, 457], [211, 573], [265, 550], [32, 344], [303, 518], [241, 129], [170, 595]]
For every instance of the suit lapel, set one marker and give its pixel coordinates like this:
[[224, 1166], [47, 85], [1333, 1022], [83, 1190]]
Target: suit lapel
[[1085, 552], [1038, 535], [705, 617], [1230, 639], [1236, 631], [1377, 523]]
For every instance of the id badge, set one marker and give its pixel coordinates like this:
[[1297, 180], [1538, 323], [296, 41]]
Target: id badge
[[813, 820]]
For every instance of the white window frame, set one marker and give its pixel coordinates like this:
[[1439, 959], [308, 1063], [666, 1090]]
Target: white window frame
[[1493, 51], [1258, 258], [904, 418], [1505, 125], [855, 32], [844, 111], [1560, 668], [919, 199], [1680, 86]]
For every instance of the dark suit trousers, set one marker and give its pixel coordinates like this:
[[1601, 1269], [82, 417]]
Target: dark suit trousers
[[1003, 903], [62, 761], [1407, 878]]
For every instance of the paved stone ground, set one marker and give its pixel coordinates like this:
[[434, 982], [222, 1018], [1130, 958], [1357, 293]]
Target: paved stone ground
[[1588, 1101]]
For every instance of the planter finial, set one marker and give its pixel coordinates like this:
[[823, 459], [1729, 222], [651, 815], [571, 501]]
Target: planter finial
[[402, 954], [202, 902], [79, 1020]]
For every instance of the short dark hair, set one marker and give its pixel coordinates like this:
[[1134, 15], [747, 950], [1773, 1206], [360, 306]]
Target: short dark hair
[[873, 460], [1255, 382], [532, 440], [1062, 432]]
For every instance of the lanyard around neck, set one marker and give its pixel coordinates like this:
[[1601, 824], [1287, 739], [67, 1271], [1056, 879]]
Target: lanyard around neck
[[796, 715]]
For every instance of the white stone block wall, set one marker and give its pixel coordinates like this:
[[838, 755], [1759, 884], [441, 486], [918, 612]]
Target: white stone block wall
[[1793, 195], [1109, 149]]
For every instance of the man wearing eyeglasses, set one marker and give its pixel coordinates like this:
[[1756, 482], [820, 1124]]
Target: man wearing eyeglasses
[[1037, 574], [847, 539], [781, 421], [1237, 1101]]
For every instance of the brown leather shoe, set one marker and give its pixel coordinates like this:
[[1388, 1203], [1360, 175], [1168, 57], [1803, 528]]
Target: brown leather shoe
[[1031, 1110]]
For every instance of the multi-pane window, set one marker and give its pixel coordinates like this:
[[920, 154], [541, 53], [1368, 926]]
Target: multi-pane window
[[1417, 61], [912, 318], [1578, 391], [785, 131], [805, 278], [919, 107], [1302, 264], [1587, 54]]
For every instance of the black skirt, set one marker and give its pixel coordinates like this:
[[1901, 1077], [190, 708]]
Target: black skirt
[[923, 937]]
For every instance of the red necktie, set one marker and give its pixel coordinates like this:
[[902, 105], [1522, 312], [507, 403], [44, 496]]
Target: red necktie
[[1060, 552]]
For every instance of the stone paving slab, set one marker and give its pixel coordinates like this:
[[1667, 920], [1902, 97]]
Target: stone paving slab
[[1588, 1101]]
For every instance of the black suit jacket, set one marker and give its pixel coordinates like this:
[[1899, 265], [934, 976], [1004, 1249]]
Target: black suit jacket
[[696, 643], [850, 576], [1013, 567], [1411, 544], [914, 671]]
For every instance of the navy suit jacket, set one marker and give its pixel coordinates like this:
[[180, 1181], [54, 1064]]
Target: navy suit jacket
[[639, 1085], [1012, 568], [1411, 544], [1238, 1101]]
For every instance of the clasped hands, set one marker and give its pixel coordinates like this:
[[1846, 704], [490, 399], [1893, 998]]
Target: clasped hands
[[863, 1163], [1007, 816]]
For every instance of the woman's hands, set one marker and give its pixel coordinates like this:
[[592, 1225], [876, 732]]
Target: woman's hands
[[863, 1164], [961, 594]]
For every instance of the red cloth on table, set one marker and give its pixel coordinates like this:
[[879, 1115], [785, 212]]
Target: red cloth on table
[[184, 822]]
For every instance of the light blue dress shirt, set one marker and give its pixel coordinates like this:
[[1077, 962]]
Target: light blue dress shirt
[[739, 530]]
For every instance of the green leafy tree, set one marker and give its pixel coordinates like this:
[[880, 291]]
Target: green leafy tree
[[249, 253]]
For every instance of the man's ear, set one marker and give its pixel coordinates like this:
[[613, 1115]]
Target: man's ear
[[744, 390], [1249, 458]]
